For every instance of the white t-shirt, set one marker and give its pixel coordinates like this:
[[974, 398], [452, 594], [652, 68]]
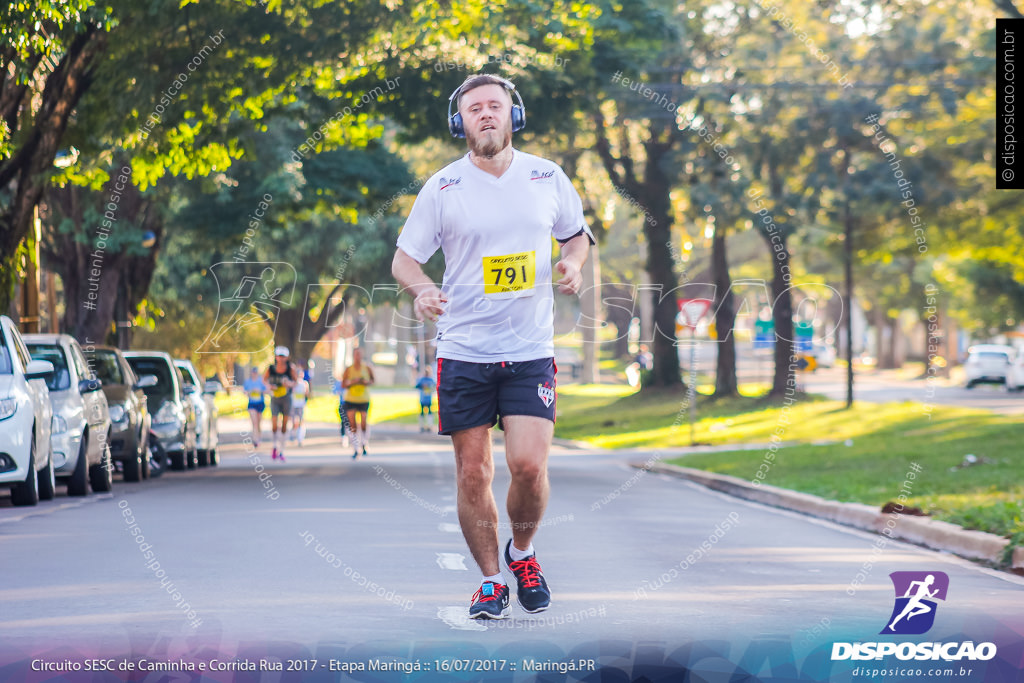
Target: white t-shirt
[[495, 234], [299, 393]]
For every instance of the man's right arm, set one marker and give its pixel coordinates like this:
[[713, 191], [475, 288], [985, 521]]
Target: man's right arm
[[427, 298]]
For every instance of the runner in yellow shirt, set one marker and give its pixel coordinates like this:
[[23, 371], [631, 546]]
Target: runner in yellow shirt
[[355, 381]]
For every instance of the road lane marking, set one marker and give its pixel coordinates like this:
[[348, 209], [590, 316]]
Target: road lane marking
[[458, 619], [453, 561], [449, 527]]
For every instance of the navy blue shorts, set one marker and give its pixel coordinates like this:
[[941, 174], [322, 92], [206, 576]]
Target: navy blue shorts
[[476, 394]]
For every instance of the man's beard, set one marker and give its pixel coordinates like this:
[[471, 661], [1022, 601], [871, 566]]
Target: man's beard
[[489, 143]]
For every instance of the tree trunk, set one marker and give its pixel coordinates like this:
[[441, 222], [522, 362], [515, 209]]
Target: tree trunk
[[661, 268], [590, 304], [782, 314], [619, 307], [725, 318]]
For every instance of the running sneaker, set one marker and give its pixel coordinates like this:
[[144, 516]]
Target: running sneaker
[[273, 454], [364, 450], [532, 592], [490, 601], [355, 455], [280, 455]]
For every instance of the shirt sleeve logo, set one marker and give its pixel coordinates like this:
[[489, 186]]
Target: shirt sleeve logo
[[544, 177], [450, 182]]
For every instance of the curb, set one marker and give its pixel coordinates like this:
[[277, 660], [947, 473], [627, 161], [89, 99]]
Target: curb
[[975, 545]]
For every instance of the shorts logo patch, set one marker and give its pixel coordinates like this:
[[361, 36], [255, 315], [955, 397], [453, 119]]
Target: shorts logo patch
[[547, 394]]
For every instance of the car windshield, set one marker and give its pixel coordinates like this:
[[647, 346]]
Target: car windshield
[[60, 379], [186, 373], [6, 368], [106, 367], [991, 355], [158, 368]]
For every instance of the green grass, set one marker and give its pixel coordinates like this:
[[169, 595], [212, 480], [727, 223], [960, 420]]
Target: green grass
[[857, 455]]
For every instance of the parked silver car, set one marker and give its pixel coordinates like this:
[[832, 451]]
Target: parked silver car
[[173, 415], [26, 457], [129, 413], [81, 418], [206, 411]]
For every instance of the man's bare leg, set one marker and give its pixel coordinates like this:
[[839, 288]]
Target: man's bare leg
[[478, 513], [527, 442]]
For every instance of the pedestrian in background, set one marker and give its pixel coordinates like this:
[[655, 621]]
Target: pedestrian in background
[[255, 388], [426, 385]]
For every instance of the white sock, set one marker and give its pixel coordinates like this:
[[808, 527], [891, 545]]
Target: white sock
[[497, 578], [518, 554], [302, 432]]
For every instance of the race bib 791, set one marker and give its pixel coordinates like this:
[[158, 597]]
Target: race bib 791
[[510, 274]]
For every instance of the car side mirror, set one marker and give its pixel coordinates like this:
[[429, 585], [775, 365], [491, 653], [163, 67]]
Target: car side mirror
[[146, 381], [38, 369], [89, 385]]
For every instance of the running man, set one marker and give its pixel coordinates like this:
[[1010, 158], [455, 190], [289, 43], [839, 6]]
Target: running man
[[355, 381], [280, 377], [426, 385], [914, 606], [254, 389], [493, 214]]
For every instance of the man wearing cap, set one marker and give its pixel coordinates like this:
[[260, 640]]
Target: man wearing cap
[[280, 377], [493, 213]]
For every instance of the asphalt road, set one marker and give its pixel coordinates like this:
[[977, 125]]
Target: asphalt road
[[347, 562], [882, 386]]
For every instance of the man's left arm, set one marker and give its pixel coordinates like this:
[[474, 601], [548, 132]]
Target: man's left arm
[[574, 254]]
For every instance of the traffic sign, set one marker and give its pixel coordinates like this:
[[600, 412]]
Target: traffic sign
[[692, 310], [804, 334], [764, 334]]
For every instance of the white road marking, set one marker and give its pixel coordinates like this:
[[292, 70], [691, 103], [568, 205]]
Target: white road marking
[[452, 561], [449, 527], [458, 619]]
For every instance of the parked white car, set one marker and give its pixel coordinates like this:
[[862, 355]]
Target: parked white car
[[1015, 378], [202, 396], [824, 355], [26, 457], [81, 418], [987, 363]]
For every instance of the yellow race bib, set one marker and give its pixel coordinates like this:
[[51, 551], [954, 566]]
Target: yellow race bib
[[280, 391], [510, 274]]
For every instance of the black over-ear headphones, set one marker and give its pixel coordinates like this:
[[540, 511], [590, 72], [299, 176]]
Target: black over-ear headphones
[[518, 110]]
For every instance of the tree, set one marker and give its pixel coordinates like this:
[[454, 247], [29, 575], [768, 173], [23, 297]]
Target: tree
[[48, 55]]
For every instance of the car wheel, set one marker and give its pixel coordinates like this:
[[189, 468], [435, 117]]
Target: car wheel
[[78, 485], [133, 468], [156, 457], [101, 475], [27, 492], [47, 481], [202, 457], [212, 457], [176, 460]]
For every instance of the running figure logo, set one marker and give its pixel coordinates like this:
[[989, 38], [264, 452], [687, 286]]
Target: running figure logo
[[916, 593]]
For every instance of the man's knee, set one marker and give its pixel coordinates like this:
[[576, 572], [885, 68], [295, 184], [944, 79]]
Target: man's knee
[[527, 470]]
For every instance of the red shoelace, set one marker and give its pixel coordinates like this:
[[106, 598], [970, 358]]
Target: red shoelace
[[487, 598], [526, 571]]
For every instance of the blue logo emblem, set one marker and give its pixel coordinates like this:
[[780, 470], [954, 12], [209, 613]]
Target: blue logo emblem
[[916, 595]]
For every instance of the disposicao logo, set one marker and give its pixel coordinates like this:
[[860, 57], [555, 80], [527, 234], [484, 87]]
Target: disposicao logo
[[913, 614], [916, 595]]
